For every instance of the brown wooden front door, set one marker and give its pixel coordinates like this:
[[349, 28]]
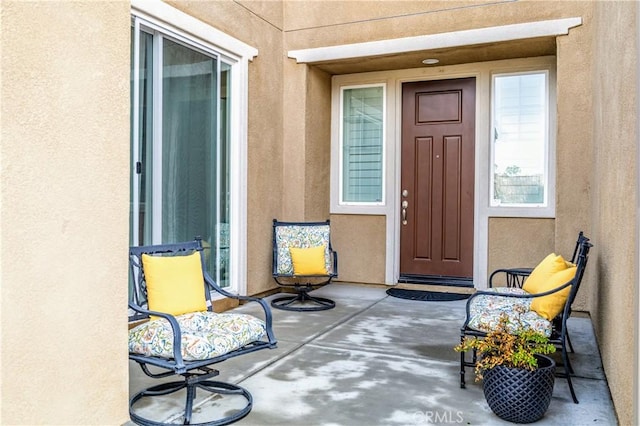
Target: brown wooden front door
[[438, 145]]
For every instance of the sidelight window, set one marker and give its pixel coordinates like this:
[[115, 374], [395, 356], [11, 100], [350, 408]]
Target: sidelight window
[[520, 140], [362, 145]]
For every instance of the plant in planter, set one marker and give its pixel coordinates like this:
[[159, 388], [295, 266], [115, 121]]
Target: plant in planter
[[517, 376]]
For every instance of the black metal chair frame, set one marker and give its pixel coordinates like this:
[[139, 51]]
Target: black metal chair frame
[[559, 334], [515, 277], [302, 301], [196, 374]]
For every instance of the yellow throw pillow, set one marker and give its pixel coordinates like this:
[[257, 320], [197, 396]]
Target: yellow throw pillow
[[308, 261], [175, 284], [550, 306], [551, 273], [550, 265]]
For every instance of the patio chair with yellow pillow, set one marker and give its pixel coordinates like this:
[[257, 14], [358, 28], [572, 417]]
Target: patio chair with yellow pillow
[[174, 331], [303, 260], [542, 304], [516, 277]]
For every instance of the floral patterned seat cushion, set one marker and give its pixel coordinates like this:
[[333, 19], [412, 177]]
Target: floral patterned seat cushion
[[204, 335], [300, 236], [485, 311]]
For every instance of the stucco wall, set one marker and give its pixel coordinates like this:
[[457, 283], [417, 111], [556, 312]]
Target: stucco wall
[[575, 142], [64, 212], [360, 243], [320, 23], [317, 160], [534, 237], [615, 170]]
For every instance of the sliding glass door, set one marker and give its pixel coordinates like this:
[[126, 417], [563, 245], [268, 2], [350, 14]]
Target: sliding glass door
[[180, 154]]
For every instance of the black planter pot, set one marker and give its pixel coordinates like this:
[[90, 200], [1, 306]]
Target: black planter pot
[[518, 395]]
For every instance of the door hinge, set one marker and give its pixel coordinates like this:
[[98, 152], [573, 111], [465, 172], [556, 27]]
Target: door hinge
[[138, 167]]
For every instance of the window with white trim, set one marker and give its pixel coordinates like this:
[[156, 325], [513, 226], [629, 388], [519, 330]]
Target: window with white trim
[[362, 145], [519, 172], [187, 94]]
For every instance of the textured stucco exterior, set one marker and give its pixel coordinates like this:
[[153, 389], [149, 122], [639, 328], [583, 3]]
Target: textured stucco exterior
[[64, 159], [64, 218], [360, 241], [614, 168], [504, 232]]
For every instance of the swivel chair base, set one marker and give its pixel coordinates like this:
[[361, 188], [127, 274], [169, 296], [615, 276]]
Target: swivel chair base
[[210, 386], [303, 302]]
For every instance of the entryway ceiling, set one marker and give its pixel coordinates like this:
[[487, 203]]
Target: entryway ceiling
[[541, 46]]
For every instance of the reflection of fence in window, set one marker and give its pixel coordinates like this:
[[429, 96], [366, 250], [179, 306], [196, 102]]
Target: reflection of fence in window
[[363, 157], [519, 189], [362, 141], [364, 178]]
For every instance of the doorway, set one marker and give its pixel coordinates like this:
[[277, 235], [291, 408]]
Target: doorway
[[437, 181]]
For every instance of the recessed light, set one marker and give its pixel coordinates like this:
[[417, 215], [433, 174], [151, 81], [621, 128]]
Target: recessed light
[[430, 61]]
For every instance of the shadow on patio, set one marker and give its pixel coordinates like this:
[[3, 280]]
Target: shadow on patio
[[379, 360]]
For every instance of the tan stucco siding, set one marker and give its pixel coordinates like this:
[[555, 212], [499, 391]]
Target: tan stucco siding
[[65, 212], [317, 160], [574, 148], [257, 23], [293, 143], [360, 243], [520, 242], [311, 24], [314, 14], [615, 170]]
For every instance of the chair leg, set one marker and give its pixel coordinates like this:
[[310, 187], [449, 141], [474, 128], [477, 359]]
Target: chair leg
[[462, 366], [188, 406], [569, 367], [464, 363], [569, 341], [568, 370]]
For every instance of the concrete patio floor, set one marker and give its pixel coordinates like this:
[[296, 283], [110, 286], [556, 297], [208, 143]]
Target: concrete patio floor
[[379, 360]]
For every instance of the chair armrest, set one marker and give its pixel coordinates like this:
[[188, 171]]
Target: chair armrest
[[179, 366], [515, 276], [511, 295], [268, 317]]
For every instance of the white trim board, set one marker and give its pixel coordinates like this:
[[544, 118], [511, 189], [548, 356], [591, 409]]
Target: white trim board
[[553, 27]]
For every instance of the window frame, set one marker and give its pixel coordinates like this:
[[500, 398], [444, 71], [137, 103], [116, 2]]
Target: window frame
[[341, 200], [187, 29], [548, 207], [338, 204]]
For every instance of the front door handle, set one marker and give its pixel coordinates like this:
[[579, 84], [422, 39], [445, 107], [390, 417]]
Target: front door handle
[[405, 204]]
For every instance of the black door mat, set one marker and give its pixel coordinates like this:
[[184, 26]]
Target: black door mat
[[427, 296]]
